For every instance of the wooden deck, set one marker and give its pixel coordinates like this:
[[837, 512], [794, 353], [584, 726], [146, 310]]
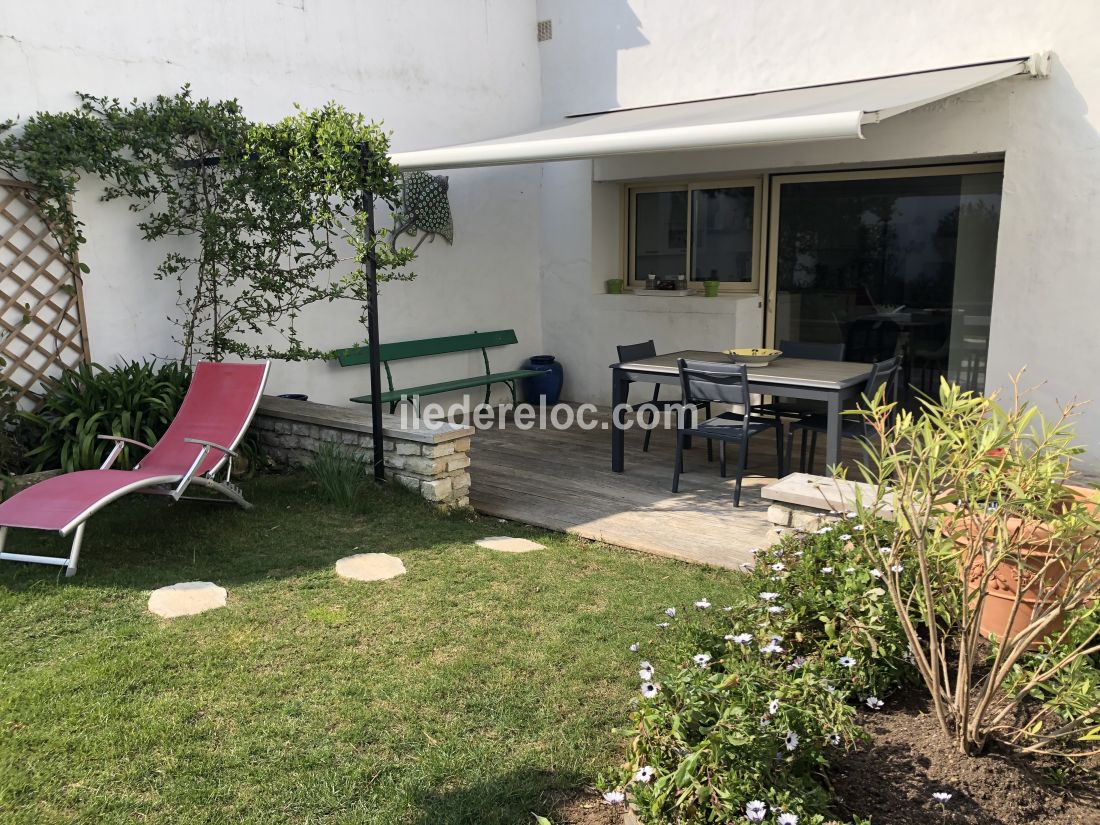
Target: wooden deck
[[562, 480]]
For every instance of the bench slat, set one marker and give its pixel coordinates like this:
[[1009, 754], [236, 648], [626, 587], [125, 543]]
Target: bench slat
[[448, 386], [400, 350]]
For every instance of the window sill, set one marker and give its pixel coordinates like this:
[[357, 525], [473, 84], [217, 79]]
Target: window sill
[[680, 304]]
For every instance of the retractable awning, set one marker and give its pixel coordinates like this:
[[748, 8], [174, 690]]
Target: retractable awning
[[832, 111]]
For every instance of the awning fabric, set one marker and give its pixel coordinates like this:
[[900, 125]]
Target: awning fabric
[[828, 112]]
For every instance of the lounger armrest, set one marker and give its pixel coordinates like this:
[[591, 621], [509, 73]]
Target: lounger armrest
[[125, 440], [120, 442], [212, 445]]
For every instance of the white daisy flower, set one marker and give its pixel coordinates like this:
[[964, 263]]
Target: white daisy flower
[[670, 611], [873, 702], [791, 740], [876, 572], [776, 608], [755, 550], [768, 596], [644, 774], [846, 661], [727, 609], [845, 537], [701, 659], [851, 514], [798, 662], [771, 647], [614, 797], [765, 722], [779, 567], [649, 690], [739, 638], [755, 811], [787, 819], [823, 530], [799, 553], [941, 796], [849, 570], [773, 706], [662, 624], [858, 527], [702, 604], [885, 550], [635, 647], [645, 673], [897, 568], [834, 739]]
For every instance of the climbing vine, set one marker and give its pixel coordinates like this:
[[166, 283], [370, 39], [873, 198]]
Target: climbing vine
[[274, 211]]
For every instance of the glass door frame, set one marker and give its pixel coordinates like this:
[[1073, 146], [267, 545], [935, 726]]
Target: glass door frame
[[777, 180]]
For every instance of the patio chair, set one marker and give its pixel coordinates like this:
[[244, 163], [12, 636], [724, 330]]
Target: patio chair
[[707, 381], [883, 375], [813, 351], [648, 349], [202, 438]]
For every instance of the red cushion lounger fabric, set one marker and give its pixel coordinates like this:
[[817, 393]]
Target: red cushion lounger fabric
[[215, 414]]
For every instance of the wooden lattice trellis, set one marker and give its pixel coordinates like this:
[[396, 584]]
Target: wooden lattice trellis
[[42, 326]]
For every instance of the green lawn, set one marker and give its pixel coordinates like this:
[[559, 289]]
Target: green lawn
[[471, 690]]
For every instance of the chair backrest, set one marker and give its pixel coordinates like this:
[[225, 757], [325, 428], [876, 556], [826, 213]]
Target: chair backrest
[[813, 350], [636, 352], [882, 375], [711, 381], [871, 339], [421, 347], [218, 407]]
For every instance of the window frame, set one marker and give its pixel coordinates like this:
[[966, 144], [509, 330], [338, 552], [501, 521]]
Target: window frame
[[756, 183]]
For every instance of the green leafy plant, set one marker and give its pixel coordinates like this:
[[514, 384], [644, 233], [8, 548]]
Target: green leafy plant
[[340, 473], [983, 511], [137, 400], [276, 212], [748, 701]]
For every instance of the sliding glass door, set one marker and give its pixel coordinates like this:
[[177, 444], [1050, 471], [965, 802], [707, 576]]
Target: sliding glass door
[[897, 261]]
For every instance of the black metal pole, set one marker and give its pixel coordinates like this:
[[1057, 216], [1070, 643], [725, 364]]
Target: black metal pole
[[372, 340]]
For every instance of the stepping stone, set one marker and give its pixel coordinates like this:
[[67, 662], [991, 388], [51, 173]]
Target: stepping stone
[[370, 567], [507, 544], [186, 599]]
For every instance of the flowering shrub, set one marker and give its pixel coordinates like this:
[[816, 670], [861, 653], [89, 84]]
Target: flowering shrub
[[749, 700]]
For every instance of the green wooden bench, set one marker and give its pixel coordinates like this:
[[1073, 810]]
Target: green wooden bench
[[402, 350]]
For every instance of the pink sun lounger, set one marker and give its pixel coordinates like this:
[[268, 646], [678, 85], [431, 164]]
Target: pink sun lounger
[[201, 440]]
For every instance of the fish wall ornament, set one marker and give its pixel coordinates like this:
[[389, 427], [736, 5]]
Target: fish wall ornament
[[424, 209]]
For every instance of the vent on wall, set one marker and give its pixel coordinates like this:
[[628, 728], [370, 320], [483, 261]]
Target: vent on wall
[[546, 30]]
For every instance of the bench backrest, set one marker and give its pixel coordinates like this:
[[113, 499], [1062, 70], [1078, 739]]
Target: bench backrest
[[399, 350]]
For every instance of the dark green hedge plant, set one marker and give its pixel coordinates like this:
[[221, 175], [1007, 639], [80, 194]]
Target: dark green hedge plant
[[137, 400]]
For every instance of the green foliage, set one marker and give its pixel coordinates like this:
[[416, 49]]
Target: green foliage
[[340, 473], [983, 513], [276, 211], [136, 400], [12, 448], [814, 634]]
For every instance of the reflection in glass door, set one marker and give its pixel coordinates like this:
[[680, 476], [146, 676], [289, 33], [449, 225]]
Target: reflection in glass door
[[889, 262]]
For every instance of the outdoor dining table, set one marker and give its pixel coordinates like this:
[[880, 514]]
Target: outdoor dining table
[[834, 382]]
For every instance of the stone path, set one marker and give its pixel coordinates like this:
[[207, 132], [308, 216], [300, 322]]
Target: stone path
[[507, 544], [186, 599], [370, 567]]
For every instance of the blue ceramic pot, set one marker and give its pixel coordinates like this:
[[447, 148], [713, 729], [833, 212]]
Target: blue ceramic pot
[[545, 388]]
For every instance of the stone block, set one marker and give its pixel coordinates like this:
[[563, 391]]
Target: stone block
[[458, 461], [438, 489], [407, 448], [412, 482], [807, 520], [439, 450], [461, 445], [779, 515], [298, 428]]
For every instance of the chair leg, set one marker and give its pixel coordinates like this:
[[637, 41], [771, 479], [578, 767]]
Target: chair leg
[[679, 463], [790, 447], [742, 461], [779, 446], [710, 450], [649, 432], [722, 458]]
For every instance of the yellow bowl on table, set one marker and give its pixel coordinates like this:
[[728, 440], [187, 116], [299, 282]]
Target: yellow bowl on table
[[754, 356]]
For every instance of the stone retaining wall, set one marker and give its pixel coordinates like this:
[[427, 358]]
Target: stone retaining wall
[[431, 459]]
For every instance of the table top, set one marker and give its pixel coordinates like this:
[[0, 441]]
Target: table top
[[804, 372]]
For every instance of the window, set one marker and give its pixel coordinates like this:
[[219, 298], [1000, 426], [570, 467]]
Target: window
[[706, 231]]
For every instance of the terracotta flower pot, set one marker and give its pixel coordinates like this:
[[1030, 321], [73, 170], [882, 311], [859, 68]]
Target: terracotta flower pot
[[1025, 573]]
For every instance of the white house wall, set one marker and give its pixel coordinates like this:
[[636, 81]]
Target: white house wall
[[433, 72], [620, 54]]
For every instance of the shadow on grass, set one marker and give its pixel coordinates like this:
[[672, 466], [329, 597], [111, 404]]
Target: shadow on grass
[[143, 542], [510, 799]]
